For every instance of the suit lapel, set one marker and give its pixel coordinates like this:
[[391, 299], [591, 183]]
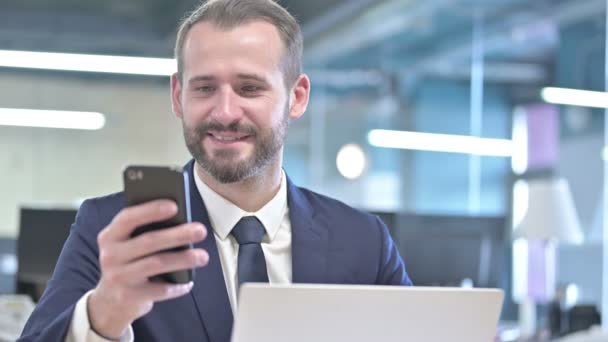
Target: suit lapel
[[309, 239], [209, 292]]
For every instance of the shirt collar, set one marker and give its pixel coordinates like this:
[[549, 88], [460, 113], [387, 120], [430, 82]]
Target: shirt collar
[[224, 215]]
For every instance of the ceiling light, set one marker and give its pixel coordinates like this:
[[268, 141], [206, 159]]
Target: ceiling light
[[51, 119], [351, 161], [88, 63], [575, 97], [519, 162], [440, 143]]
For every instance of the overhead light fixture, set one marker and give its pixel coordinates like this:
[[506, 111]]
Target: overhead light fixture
[[88, 63], [351, 161], [51, 119], [519, 162], [575, 97], [441, 143]]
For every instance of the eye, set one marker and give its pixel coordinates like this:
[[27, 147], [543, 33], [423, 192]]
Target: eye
[[250, 89], [205, 89]]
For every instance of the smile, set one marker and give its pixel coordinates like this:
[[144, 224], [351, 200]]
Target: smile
[[227, 137]]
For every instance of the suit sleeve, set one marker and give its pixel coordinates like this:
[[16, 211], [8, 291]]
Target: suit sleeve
[[76, 272], [392, 268]]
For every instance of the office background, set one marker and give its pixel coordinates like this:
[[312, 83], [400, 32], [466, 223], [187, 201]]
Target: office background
[[453, 67]]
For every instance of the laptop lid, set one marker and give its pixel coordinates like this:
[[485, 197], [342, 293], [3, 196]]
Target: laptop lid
[[354, 313]]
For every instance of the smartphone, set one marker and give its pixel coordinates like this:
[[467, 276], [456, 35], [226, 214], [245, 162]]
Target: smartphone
[[146, 183]]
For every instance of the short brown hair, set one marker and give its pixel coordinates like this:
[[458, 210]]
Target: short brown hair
[[227, 14]]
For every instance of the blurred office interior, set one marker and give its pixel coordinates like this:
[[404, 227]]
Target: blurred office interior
[[482, 69]]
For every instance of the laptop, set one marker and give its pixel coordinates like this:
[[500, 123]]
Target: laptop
[[355, 313]]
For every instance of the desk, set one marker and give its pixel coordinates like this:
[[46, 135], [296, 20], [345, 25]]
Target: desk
[[14, 312]]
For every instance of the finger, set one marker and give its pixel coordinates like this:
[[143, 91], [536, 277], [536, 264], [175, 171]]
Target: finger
[[130, 218], [142, 295], [140, 270], [159, 292], [156, 241]]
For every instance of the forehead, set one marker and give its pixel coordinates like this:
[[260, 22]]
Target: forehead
[[254, 44]]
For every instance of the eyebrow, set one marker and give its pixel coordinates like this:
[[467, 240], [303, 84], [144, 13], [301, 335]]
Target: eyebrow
[[253, 77], [208, 78], [201, 79]]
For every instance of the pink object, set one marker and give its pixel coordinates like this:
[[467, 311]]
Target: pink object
[[543, 136]]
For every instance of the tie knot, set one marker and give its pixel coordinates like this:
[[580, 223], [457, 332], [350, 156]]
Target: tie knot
[[248, 230]]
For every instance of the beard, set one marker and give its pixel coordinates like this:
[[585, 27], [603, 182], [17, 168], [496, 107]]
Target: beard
[[225, 165]]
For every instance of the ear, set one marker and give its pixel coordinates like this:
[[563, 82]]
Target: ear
[[176, 96], [300, 94]]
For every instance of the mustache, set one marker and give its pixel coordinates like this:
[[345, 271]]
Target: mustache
[[234, 127]]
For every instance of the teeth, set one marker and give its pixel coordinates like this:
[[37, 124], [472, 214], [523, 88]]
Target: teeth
[[226, 139]]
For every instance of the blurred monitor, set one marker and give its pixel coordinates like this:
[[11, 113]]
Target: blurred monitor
[[42, 233], [452, 250]]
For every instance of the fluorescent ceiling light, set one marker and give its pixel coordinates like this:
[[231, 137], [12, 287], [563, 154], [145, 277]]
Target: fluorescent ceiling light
[[575, 97], [51, 119], [519, 162], [88, 63], [440, 143]]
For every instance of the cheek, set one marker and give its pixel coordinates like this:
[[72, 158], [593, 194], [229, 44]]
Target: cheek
[[195, 109], [261, 113]]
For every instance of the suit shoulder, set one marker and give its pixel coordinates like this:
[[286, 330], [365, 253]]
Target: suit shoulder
[[111, 202], [101, 210], [331, 207], [117, 197]]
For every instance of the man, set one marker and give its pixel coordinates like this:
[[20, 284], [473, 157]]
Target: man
[[239, 83]]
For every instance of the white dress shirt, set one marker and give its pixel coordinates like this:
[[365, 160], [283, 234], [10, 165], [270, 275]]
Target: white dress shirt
[[276, 244], [223, 216]]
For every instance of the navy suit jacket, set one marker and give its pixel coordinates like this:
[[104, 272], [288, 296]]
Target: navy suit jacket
[[331, 243]]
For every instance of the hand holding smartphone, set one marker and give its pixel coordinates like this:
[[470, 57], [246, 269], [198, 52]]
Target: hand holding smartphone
[[146, 183], [150, 239]]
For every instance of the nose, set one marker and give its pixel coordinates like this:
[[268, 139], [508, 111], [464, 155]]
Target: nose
[[227, 108]]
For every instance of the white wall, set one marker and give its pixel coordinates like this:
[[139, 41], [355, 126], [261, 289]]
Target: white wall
[[59, 167]]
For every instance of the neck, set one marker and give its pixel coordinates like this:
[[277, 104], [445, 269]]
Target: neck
[[250, 194]]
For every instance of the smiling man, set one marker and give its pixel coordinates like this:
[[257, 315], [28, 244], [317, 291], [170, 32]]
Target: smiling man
[[238, 86]]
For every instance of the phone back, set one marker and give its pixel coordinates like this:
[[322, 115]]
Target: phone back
[[147, 183]]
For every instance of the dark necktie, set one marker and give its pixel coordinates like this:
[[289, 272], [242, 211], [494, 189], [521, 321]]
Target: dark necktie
[[249, 233]]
